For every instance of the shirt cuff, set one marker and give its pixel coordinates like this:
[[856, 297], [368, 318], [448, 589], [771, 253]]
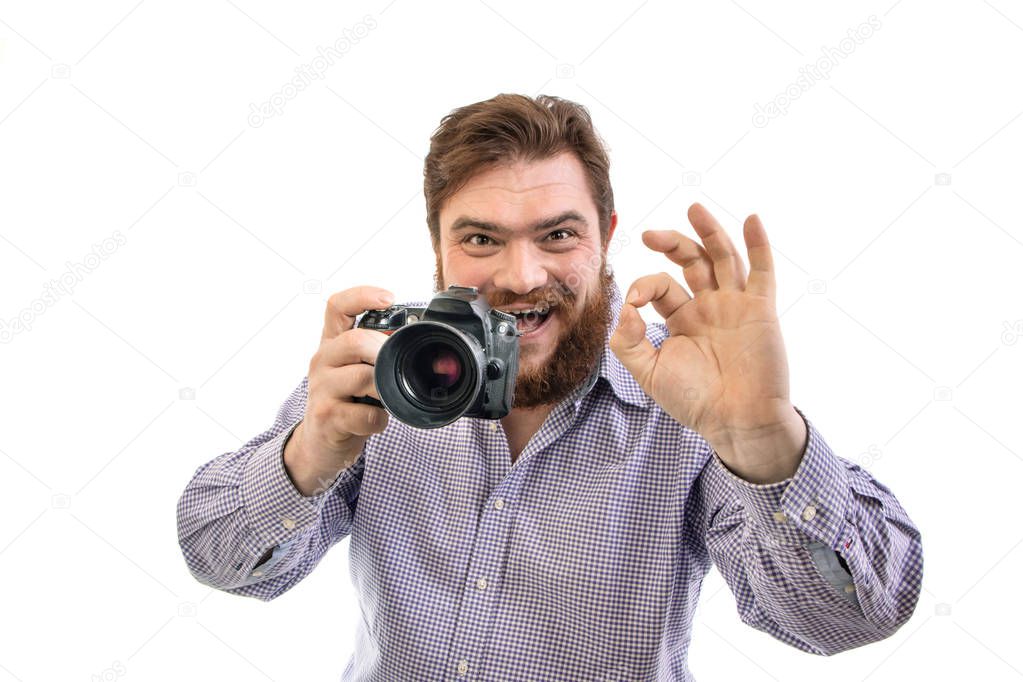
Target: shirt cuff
[[276, 510], [808, 507]]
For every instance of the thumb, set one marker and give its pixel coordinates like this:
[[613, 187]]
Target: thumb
[[630, 344]]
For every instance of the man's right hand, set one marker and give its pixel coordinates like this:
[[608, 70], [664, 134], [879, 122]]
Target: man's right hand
[[330, 437]]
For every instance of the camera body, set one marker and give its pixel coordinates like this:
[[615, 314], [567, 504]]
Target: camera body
[[457, 357]]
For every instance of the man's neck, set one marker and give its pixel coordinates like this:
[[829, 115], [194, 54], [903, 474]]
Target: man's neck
[[521, 424]]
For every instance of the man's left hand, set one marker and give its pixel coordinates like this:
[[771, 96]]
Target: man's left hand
[[722, 371]]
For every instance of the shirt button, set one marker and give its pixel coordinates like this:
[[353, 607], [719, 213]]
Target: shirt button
[[463, 667], [493, 426], [288, 523], [256, 574], [780, 517], [809, 513], [499, 503], [850, 588], [481, 583]]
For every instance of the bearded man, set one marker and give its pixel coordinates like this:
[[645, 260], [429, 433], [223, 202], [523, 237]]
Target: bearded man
[[570, 538]]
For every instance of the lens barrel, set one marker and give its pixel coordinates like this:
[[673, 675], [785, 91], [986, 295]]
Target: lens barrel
[[428, 374]]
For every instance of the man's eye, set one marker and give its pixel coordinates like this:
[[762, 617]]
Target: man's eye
[[566, 234], [474, 240]]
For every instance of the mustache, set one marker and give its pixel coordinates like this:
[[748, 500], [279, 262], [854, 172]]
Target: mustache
[[542, 299]]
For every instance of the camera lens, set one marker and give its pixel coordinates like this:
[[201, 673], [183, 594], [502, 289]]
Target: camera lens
[[430, 373], [433, 373]]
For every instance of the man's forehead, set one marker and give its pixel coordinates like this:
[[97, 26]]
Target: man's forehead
[[523, 192], [525, 204], [517, 193], [526, 176]]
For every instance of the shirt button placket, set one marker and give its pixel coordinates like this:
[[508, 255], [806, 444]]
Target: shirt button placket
[[484, 563]]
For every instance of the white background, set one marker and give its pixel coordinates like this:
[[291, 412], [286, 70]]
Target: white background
[[897, 285]]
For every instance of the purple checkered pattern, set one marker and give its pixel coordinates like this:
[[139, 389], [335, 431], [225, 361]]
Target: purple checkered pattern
[[583, 560]]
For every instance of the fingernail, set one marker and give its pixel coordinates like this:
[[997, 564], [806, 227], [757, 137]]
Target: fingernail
[[632, 297]]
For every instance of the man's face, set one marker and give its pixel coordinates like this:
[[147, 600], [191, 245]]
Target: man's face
[[527, 236]]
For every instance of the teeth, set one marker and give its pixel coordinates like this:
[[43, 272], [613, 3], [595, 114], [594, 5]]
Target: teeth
[[542, 310]]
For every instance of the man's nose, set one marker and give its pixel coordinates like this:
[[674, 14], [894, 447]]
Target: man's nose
[[520, 270]]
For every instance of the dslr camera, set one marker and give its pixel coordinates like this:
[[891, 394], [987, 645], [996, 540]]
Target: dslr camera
[[457, 357]]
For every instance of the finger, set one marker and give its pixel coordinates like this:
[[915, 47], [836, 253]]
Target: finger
[[360, 419], [761, 260], [351, 347], [633, 348], [697, 266], [350, 381], [343, 306], [666, 295], [729, 269]]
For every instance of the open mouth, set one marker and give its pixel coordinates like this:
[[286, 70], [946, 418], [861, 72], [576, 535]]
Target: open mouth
[[531, 321]]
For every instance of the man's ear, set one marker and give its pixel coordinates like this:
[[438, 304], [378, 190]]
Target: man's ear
[[611, 229]]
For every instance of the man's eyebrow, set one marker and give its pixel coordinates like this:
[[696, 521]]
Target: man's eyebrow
[[466, 222]]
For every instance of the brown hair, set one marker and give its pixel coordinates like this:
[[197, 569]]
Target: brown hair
[[509, 128]]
